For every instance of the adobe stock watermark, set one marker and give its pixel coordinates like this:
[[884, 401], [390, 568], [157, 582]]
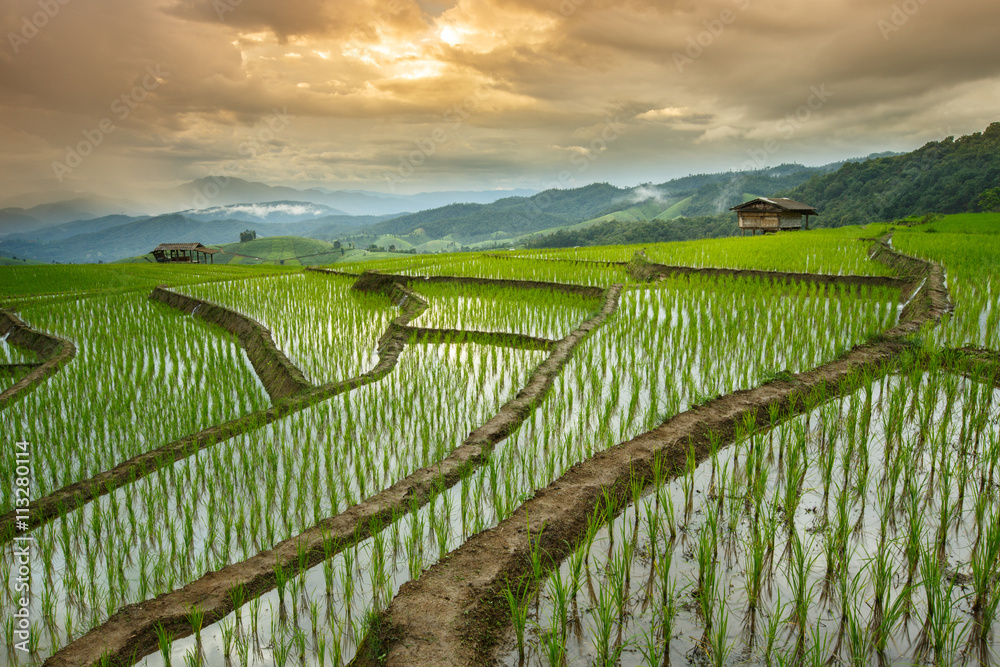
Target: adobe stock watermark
[[567, 8], [20, 622], [699, 43], [451, 121], [223, 7], [266, 130], [788, 127], [611, 131], [121, 108], [34, 23], [899, 17]]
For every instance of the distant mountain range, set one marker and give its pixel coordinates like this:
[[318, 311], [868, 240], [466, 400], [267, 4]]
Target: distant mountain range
[[497, 222], [32, 211], [946, 176]]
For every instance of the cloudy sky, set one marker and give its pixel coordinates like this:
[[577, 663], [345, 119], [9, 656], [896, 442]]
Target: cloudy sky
[[115, 96]]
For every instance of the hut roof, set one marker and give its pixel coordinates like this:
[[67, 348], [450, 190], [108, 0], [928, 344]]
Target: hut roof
[[186, 246], [776, 203]]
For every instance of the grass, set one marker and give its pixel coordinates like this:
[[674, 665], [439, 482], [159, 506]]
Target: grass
[[289, 250], [23, 284], [830, 251]]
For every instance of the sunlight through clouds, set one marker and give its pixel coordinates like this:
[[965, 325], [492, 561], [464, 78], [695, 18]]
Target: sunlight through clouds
[[371, 77]]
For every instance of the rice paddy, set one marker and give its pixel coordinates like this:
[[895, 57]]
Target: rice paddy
[[862, 530]]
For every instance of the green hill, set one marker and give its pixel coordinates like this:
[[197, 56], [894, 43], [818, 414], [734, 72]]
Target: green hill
[[512, 220], [614, 232], [287, 250], [13, 261], [945, 176]]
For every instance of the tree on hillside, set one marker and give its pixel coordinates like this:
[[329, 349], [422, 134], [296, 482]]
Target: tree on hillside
[[989, 200], [247, 236]]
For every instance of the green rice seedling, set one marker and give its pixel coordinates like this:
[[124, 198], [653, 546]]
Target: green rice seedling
[[321, 650], [281, 650], [554, 641], [986, 592], [885, 614], [281, 576], [195, 617], [519, 616], [945, 510], [817, 655], [255, 616], [719, 644], [336, 655], [237, 595], [774, 621], [651, 647], [939, 624], [665, 501], [687, 483], [164, 640], [299, 642], [560, 594], [755, 550], [705, 556], [800, 567], [858, 639], [795, 472], [228, 635], [604, 617], [668, 613]]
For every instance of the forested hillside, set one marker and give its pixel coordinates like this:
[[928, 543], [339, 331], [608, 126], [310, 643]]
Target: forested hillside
[[948, 176]]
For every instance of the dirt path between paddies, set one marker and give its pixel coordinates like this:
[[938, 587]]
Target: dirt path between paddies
[[429, 336], [592, 262], [978, 364], [54, 353], [75, 495], [280, 377], [416, 281], [643, 270], [131, 632], [455, 613]]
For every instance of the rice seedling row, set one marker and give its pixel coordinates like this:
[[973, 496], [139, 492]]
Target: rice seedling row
[[973, 280], [242, 496], [180, 376], [507, 550], [29, 357], [493, 268], [327, 331], [537, 313], [79, 493], [525, 398], [864, 531]]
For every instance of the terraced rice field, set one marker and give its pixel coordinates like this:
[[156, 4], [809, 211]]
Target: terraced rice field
[[750, 451]]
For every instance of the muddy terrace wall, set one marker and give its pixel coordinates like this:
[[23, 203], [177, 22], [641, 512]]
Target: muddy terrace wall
[[280, 377], [370, 280], [52, 351], [643, 270]]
